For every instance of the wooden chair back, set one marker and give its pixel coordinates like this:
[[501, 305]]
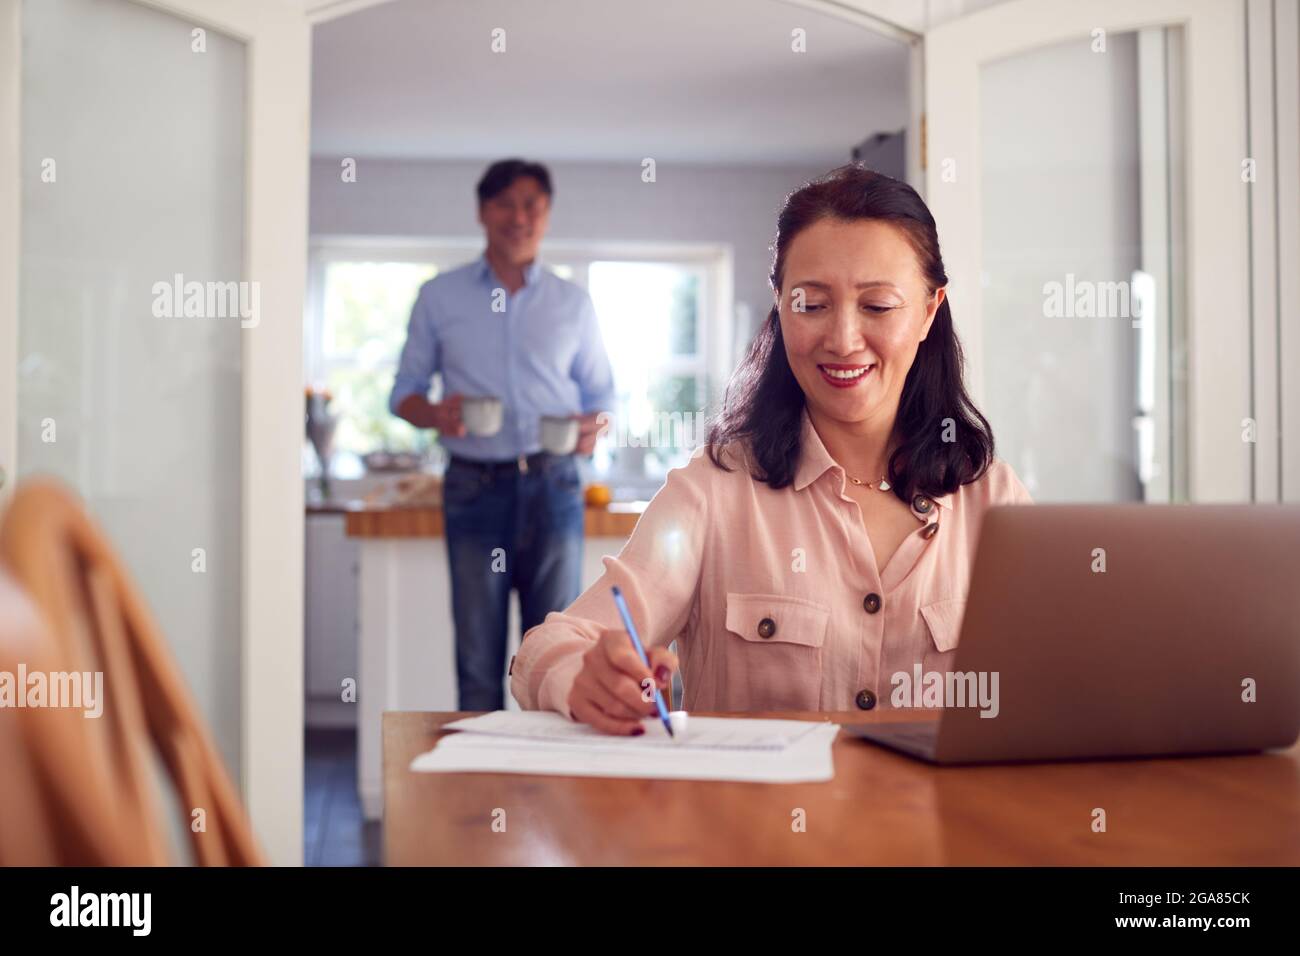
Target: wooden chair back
[[85, 790]]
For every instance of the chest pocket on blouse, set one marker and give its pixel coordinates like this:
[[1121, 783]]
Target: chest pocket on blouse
[[943, 630], [772, 653]]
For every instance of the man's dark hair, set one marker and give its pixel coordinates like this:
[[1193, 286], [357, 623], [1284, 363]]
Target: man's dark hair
[[502, 174]]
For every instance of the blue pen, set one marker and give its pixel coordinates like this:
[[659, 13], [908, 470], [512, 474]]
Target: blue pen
[[636, 643]]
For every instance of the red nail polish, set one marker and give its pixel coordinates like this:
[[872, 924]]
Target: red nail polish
[[638, 731], [661, 672]]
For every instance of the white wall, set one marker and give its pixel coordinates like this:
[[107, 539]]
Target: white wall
[[593, 201]]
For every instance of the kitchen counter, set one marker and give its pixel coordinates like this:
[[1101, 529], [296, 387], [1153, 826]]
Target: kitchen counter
[[390, 521]]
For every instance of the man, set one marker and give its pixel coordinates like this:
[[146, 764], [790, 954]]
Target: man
[[503, 326]]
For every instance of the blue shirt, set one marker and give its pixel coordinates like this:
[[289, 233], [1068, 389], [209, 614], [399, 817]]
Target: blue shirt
[[542, 355]]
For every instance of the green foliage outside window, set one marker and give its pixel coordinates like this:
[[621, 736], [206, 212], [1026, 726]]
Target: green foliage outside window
[[367, 309]]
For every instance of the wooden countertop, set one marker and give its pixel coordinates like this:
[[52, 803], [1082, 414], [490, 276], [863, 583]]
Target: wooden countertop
[[881, 809], [614, 521]]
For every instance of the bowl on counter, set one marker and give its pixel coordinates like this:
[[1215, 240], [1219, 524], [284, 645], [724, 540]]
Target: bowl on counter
[[386, 461]]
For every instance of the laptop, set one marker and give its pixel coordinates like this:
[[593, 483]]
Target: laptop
[[1188, 642]]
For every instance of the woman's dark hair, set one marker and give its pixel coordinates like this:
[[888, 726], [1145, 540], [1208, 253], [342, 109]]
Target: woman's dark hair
[[502, 174], [942, 440]]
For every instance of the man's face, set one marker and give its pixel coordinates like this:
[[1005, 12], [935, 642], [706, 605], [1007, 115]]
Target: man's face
[[516, 219]]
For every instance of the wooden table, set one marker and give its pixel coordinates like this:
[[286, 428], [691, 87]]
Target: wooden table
[[881, 809]]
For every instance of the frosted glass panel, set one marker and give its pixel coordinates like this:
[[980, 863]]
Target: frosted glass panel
[[132, 158], [1077, 379]]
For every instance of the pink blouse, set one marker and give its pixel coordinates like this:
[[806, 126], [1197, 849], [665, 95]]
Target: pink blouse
[[774, 596]]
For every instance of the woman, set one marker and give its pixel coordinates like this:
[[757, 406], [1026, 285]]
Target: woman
[[822, 540]]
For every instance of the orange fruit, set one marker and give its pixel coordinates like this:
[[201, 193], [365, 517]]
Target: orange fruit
[[598, 496]]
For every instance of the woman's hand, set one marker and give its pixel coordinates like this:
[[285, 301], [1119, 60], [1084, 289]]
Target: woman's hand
[[614, 690]]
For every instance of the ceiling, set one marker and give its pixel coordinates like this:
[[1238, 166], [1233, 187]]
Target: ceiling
[[602, 80]]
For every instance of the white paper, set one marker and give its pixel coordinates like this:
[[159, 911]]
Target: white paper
[[752, 750], [733, 733]]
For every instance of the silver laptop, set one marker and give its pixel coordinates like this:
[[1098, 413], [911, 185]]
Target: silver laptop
[[1187, 643]]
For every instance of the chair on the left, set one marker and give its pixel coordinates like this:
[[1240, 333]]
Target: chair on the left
[[84, 790]]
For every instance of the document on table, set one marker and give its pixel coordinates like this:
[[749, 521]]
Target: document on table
[[708, 748]]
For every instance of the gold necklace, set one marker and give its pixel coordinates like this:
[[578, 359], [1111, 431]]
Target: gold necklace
[[880, 484]]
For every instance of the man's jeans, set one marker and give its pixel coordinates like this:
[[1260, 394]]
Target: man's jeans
[[507, 529]]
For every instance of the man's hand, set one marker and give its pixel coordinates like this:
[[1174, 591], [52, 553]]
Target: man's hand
[[589, 428], [444, 415]]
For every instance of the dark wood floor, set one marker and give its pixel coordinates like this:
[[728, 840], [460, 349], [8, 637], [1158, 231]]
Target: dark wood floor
[[334, 832]]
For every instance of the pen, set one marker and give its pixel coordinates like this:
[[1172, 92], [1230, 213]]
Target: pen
[[636, 643]]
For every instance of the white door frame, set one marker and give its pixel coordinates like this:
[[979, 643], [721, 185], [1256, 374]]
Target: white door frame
[[277, 41], [1216, 274]]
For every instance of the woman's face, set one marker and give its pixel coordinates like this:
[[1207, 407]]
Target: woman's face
[[854, 307]]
